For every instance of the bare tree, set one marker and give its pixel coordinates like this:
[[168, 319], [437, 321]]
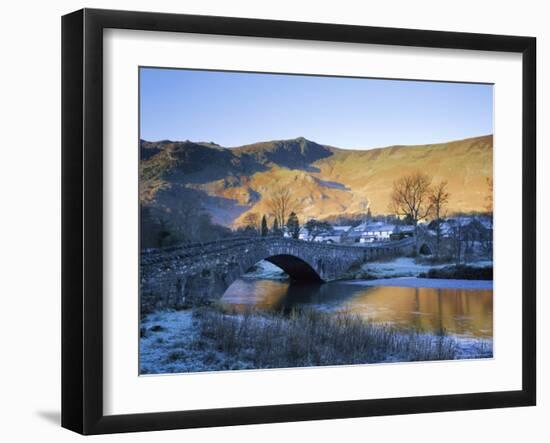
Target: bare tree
[[457, 239], [487, 240], [410, 196], [281, 204], [365, 209], [315, 228], [276, 230], [438, 198], [183, 215], [181, 219], [264, 231], [293, 225], [252, 221]]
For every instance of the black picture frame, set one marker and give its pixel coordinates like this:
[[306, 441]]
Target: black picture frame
[[82, 218]]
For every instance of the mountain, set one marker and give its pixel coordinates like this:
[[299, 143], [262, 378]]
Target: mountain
[[325, 181]]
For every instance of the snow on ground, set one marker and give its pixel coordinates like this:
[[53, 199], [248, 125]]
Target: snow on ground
[[413, 282], [267, 270], [407, 267], [470, 348], [165, 336], [170, 344]]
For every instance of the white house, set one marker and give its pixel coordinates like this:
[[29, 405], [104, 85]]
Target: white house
[[328, 237], [376, 232], [402, 231], [341, 229], [354, 234], [332, 235], [371, 232]]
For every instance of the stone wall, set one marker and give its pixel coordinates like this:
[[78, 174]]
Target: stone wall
[[194, 275]]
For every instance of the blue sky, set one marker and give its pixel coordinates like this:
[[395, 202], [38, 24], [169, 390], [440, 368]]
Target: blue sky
[[234, 109]]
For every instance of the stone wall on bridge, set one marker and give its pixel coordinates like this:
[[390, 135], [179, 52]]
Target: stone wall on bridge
[[426, 244], [194, 275]]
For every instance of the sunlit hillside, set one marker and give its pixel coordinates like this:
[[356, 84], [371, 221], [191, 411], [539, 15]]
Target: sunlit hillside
[[324, 181]]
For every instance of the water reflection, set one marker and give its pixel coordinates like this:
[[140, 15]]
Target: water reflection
[[457, 311]]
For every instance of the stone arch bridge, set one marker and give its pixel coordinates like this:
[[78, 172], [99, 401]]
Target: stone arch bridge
[[199, 274]]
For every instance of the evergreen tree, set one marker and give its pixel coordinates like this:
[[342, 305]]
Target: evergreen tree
[[315, 228], [251, 222], [293, 225], [439, 198], [276, 229], [264, 228], [163, 234]]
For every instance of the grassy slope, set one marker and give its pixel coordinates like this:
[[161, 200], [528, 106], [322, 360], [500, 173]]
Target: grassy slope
[[369, 174]]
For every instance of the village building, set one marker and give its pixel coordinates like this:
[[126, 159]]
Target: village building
[[333, 235], [477, 227], [370, 232], [328, 237], [303, 234], [402, 231]]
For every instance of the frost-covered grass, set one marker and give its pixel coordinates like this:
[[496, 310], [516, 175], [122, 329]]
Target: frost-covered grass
[[464, 272], [170, 342], [407, 267], [312, 338], [469, 348], [165, 343], [208, 339]]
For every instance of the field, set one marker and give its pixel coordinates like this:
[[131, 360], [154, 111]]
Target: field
[[209, 339]]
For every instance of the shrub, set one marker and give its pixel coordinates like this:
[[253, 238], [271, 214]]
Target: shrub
[[175, 356], [460, 272], [311, 338]]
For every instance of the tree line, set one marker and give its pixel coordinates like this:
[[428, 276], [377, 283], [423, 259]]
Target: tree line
[[416, 198], [255, 226], [181, 219]]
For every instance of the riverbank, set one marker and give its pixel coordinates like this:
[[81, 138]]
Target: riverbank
[[266, 270], [415, 282], [208, 339], [408, 267], [463, 272], [391, 268]]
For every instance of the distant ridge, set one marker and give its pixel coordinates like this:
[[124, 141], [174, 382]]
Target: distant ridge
[[326, 180]]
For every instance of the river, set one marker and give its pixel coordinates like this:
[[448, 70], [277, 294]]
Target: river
[[425, 305]]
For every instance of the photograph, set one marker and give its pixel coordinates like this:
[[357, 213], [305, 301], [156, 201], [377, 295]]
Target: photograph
[[266, 222], [294, 220]]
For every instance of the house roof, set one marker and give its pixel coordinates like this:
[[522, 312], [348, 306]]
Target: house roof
[[374, 227], [404, 228], [341, 228]]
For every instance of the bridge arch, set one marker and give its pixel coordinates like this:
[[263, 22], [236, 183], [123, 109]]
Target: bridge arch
[[199, 274], [297, 268], [425, 249]]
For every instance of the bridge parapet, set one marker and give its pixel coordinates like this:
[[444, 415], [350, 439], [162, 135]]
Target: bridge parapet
[[199, 274]]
